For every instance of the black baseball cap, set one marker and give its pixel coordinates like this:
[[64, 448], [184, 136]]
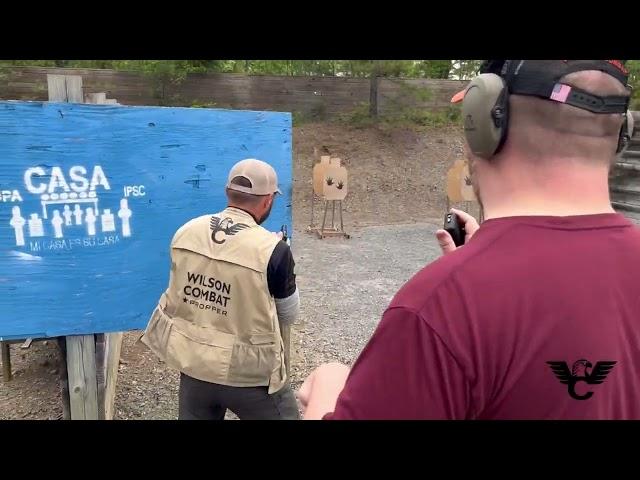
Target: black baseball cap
[[541, 78]]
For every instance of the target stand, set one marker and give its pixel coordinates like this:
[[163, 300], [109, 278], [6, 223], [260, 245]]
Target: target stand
[[329, 186]]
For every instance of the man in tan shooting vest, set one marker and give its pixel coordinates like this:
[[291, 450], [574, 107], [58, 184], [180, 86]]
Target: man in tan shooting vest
[[232, 285]]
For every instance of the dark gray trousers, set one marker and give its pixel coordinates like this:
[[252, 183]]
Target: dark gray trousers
[[200, 400]]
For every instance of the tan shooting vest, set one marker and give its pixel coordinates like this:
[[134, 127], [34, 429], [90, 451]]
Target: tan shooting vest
[[217, 321]]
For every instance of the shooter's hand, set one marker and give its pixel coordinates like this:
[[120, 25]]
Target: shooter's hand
[[470, 226], [319, 392]]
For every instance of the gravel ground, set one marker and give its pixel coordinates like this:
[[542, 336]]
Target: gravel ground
[[345, 286], [33, 393]]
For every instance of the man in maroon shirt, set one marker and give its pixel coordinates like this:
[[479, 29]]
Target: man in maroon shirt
[[537, 316]]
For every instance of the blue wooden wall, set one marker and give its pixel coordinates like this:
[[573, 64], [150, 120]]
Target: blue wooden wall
[[91, 195]]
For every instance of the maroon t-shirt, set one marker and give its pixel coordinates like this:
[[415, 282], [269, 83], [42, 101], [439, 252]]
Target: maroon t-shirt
[[523, 322]]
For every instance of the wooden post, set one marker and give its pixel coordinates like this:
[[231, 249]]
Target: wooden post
[[81, 368], [333, 214], [108, 345], [324, 218], [65, 88], [100, 371], [64, 378], [114, 347], [95, 97], [81, 358], [6, 361], [57, 88], [91, 361], [373, 95], [313, 192]]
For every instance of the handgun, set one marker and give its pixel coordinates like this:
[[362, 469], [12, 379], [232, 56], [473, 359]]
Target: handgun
[[455, 228], [285, 234]]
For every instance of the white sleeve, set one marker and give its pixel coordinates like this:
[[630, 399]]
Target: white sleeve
[[288, 308]]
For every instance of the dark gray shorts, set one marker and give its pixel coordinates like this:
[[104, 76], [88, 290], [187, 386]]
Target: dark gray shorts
[[200, 400]]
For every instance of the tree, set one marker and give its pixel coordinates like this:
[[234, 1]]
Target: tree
[[634, 81], [433, 68], [464, 69]]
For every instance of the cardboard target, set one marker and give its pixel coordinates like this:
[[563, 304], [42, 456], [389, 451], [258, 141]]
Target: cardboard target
[[319, 175], [466, 188], [335, 181], [454, 179]]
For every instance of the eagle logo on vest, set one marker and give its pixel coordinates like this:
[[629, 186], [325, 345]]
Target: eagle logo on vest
[[225, 226]]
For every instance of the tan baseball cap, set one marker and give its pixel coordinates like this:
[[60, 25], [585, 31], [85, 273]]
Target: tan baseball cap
[[263, 178]]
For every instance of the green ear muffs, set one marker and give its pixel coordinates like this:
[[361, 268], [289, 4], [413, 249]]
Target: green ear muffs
[[626, 132], [485, 110]]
